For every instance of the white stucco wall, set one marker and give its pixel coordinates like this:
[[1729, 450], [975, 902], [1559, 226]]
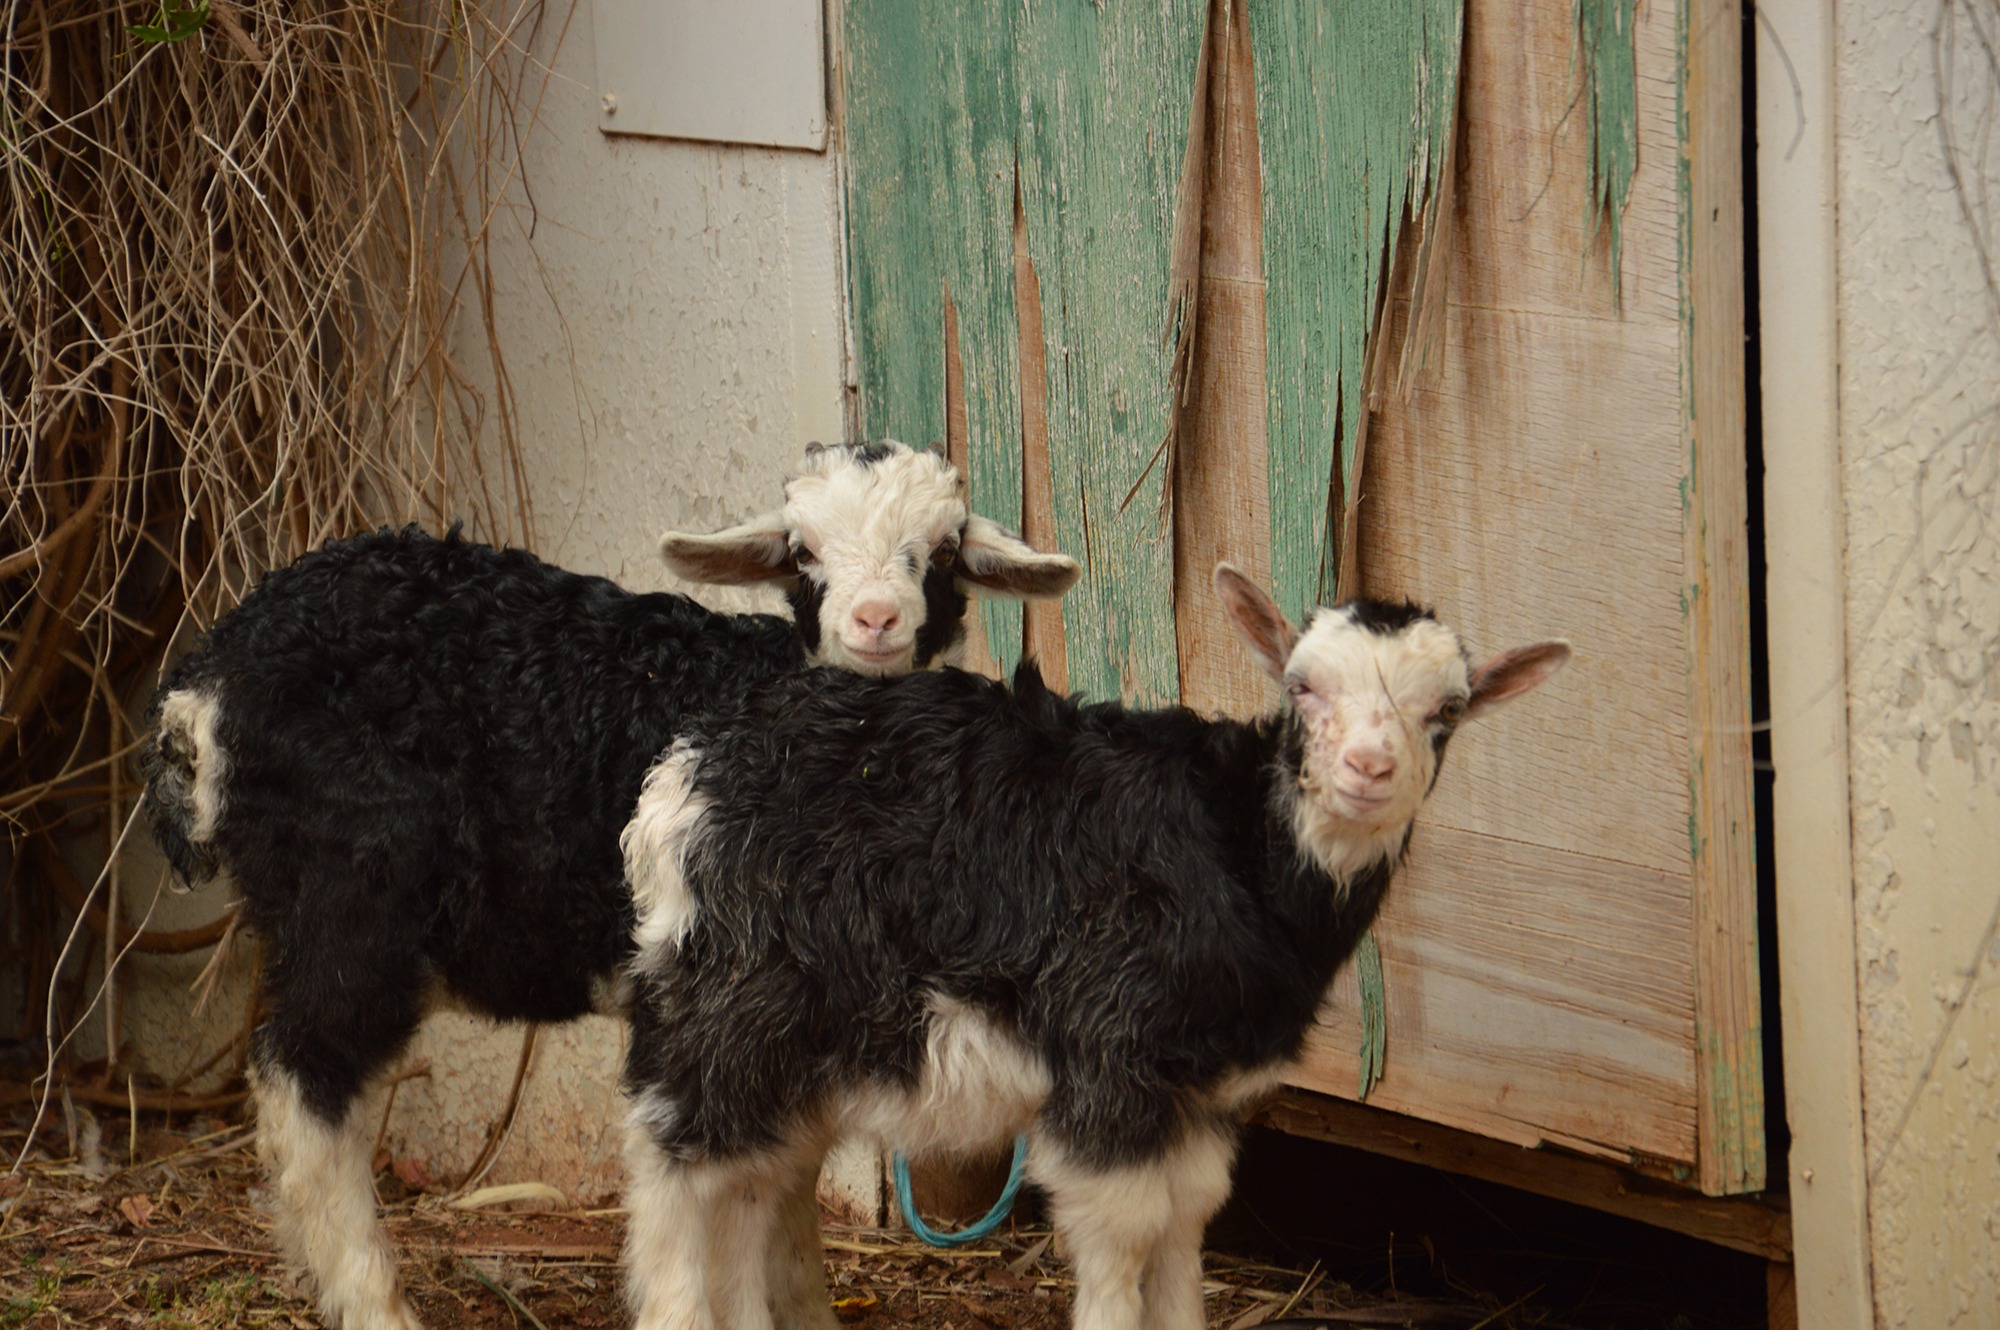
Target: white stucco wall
[[1919, 399], [677, 346]]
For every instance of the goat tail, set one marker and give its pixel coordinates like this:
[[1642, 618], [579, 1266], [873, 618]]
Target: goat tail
[[184, 767]]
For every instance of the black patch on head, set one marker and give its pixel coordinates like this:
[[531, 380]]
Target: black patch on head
[[806, 597], [1386, 618], [865, 453], [944, 612], [1439, 738]]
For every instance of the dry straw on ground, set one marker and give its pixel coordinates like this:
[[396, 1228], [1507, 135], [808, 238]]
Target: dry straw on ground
[[161, 1226], [246, 304]]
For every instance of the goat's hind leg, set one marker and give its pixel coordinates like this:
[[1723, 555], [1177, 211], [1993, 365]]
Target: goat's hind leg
[[323, 1199], [344, 1000]]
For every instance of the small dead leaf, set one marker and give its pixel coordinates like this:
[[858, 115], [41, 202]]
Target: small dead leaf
[[379, 1162], [138, 1210], [1006, 1278], [413, 1173], [854, 1308], [1019, 1265], [1255, 1316]]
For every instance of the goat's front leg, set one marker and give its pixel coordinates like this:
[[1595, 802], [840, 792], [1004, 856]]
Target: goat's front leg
[[743, 1217], [797, 1265], [1198, 1183], [1113, 1220]]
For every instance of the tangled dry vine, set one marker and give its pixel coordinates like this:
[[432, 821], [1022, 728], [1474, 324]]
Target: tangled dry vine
[[246, 304]]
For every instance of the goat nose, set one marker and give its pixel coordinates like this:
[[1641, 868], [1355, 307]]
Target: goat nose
[[1373, 763], [877, 616]]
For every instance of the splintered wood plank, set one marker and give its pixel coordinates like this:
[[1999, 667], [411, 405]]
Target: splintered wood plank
[[1354, 105], [930, 116], [1721, 830], [1042, 636], [974, 654], [1571, 957], [1221, 495], [1105, 96], [1534, 486], [1533, 995]]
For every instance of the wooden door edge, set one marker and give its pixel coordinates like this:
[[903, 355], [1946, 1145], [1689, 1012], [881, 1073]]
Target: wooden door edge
[[1729, 1050]]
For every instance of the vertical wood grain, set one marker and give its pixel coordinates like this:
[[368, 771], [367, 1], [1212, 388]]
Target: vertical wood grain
[[929, 119], [1220, 491], [975, 656], [1531, 488], [1354, 106], [1571, 955], [1721, 825], [1041, 621], [1105, 96]]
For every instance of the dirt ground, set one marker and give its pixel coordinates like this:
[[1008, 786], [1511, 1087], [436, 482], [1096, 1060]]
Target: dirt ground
[[111, 1225], [159, 1223]]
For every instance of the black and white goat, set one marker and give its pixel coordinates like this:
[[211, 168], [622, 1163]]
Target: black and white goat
[[415, 757], [943, 911]]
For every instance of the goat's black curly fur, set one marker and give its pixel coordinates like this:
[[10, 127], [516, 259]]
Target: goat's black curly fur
[[1120, 889], [431, 748]]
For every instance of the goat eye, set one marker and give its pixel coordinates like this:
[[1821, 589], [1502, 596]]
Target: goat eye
[[803, 556], [943, 555], [1452, 710], [1298, 688]]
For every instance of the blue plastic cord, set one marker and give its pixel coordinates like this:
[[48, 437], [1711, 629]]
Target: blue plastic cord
[[971, 1232]]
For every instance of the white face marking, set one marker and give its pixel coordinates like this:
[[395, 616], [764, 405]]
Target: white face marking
[[1371, 706], [868, 530], [654, 844]]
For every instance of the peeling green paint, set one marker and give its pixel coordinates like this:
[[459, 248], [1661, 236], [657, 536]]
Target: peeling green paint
[[1355, 102], [1609, 98], [1105, 95], [1696, 844], [930, 120], [944, 102], [1737, 1087], [1374, 1014]]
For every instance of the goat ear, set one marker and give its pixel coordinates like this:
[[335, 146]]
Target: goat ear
[[760, 550], [997, 560], [1262, 625], [1512, 673]]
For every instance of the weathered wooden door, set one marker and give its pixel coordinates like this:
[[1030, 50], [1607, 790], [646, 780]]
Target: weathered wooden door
[[1435, 299]]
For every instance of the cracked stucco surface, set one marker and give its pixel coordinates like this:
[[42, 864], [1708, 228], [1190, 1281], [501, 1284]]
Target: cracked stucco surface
[[1920, 434]]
